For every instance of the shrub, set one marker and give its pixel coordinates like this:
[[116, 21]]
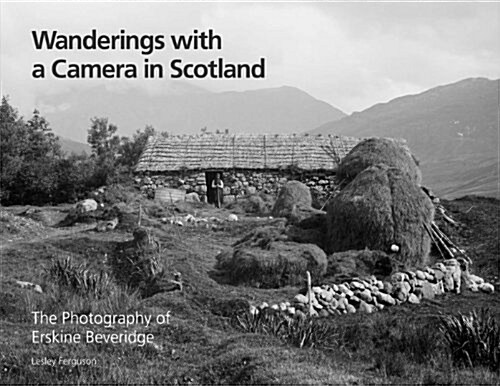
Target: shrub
[[473, 340], [309, 332], [79, 279]]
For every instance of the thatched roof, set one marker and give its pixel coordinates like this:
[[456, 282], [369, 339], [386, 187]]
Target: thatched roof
[[223, 151]]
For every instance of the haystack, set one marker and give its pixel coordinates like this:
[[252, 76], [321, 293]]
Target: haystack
[[278, 264], [293, 197], [374, 151], [382, 206]]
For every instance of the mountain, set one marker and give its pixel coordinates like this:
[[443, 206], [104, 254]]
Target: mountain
[[69, 146], [452, 129], [276, 110]]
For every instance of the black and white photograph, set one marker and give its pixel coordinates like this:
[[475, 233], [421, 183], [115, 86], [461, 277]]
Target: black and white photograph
[[249, 192]]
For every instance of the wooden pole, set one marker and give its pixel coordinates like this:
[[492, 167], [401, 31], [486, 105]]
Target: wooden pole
[[309, 293]]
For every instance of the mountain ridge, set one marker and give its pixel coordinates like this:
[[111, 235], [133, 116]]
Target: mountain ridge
[[280, 110], [454, 125]]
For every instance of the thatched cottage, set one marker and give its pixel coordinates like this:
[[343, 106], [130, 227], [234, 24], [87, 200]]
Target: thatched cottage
[[246, 163]]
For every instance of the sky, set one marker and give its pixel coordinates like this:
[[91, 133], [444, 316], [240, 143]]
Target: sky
[[351, 55]]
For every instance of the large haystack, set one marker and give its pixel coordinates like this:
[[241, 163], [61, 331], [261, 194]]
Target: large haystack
[[294, 196], [382, 206], [374, 151]]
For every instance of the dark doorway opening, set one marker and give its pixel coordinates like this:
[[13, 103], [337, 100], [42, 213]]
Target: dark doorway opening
[[212, 191]]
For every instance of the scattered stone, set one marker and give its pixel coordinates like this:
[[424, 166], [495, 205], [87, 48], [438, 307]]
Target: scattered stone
[[88, 205], [487, 288], [413, 299], [365, 307], [350, 309], [232, 218], [28, 285]]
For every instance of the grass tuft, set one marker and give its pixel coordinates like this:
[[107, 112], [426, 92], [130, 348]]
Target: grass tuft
[[473, 339]]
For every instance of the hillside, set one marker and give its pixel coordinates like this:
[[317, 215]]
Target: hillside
[[452, 129], [208, 340], [69, 146], [277, 110]]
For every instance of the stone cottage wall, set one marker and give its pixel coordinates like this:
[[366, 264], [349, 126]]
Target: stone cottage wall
[[238, 183]]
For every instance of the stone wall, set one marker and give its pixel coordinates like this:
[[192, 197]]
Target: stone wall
[[238, 183]]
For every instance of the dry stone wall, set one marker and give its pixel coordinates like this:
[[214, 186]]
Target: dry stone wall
[[238, 183], [370, 294]]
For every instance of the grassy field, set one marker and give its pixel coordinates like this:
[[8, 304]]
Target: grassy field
[[203, 343]]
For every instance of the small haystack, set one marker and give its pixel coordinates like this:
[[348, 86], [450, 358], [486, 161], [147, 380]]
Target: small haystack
[[374, 151], [381, 207], [294, 197], [276, 265]]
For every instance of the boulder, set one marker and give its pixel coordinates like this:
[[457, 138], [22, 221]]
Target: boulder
[[88, 205], [192, 197]]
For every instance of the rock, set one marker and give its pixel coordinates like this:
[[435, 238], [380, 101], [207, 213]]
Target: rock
[[413, 299], [317, 290], [350, 309], [399, 277], [428, 276], [487, 288], [387, 287], [401, 291], [343, 289], [380, 285], [426, 291], [88, 205], [420, 275], [300, 299], [326, 295], [365, 307], [250, 190], [192, 197], [438, 275], [232, 218], [438, 288], [354, 300], [365, 295], [324, 313], [334, 303], [282, 306], [356, 285], [28, 285], [342, 304], [291, 310], [385, 299]]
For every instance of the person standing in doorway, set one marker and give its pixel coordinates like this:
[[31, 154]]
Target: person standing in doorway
[[218, 185]]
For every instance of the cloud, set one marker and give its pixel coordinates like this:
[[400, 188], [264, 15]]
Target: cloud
[[351, 55]]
